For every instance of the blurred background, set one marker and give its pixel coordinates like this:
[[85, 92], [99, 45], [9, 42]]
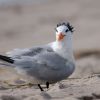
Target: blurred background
[[26, 23]]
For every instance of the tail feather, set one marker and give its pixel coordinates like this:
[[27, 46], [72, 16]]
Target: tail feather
[[7, 59]]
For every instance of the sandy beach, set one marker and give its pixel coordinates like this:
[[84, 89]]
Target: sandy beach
[[27, 25]]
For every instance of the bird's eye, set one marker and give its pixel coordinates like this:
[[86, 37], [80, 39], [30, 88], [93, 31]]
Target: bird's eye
[[67, 30]]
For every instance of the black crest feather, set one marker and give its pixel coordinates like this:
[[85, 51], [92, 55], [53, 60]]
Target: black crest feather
[[70, 27]]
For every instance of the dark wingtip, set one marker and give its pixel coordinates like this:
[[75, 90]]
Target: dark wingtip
[[7, 59]]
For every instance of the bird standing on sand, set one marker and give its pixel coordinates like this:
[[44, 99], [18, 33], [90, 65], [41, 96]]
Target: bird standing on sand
[[45, 64]]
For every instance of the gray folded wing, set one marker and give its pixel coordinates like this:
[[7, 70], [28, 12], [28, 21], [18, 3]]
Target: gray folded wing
[[41, 63], [18, 53], [47, 66]]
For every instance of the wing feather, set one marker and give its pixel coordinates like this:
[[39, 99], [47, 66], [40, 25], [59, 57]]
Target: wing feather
[[19, 53]]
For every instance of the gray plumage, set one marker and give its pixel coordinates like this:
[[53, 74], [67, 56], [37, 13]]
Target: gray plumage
[[49, 63], [42, 64]]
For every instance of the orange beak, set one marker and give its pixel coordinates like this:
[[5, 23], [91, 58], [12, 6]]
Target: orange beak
[[60, 36]]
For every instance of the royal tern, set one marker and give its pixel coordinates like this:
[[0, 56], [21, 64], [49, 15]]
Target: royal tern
[[45, 64]]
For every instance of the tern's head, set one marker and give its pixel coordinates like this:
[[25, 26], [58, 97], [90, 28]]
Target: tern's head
[[63, 30]]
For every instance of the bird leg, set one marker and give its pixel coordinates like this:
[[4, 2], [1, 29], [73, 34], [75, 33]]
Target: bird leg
[[47, 85], [40, 87]]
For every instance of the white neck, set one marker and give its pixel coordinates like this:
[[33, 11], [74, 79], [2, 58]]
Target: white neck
[[64, 47]]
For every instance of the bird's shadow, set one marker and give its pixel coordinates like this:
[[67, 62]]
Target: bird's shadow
[[45, 95]]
